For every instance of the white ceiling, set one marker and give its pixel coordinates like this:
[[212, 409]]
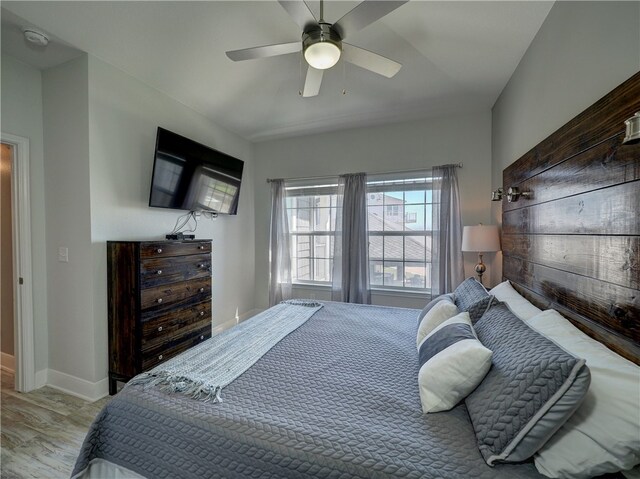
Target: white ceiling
[[456, 56]]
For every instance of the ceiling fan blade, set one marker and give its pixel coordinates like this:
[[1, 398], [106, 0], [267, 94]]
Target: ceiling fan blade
[[369, 60], [312, 82], [264, 51], [365, 14], [300, 13]]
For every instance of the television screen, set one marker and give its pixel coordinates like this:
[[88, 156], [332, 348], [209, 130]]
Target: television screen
[[190, 176]]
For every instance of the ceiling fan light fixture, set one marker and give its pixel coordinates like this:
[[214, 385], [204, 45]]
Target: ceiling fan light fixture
[[322, 55], [322, 48]]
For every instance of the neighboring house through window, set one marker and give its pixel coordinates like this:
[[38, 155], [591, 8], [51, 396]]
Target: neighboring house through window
[[399, 230]]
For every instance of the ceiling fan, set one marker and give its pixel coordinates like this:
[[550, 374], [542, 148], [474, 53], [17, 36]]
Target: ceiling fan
[[322, 43]]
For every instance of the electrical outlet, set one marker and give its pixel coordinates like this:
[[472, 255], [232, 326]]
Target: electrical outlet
[[63, 254]]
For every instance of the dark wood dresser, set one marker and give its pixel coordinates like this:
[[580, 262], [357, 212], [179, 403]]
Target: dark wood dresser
[[159, 302]]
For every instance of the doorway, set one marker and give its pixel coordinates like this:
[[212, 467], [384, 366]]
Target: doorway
[[15, 262], [7, 355]]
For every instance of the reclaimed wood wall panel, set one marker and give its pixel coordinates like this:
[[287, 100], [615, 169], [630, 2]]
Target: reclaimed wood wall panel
[[615, 306], [607, 164], [574, 244], [615, 259], [600, 121], [621, 344], [611, 211]]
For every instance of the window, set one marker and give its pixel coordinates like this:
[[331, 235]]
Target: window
[[399, 222], [399, 240], [311, 212]]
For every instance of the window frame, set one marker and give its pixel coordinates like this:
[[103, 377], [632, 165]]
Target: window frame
[[392, 182]]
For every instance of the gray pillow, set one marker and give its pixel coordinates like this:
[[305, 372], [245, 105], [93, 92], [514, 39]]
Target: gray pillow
[[533, 387], [443, 297], [468, 293], [477, 309]]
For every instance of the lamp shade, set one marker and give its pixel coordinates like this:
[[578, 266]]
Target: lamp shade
[[480, 239]]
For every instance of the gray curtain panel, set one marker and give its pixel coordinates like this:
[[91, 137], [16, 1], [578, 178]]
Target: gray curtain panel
[[447, 267], [351, 252], [279, 251]]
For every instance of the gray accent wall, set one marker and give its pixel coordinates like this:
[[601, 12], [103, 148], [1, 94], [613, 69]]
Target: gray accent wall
[[582, 51]]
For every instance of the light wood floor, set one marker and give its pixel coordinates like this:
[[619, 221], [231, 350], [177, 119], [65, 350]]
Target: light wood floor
[[41, 431]]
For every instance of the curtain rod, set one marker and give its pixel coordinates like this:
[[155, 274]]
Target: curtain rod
[[269, 180]]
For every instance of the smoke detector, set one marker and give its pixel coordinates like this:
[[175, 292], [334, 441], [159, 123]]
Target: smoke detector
[[35, 36]]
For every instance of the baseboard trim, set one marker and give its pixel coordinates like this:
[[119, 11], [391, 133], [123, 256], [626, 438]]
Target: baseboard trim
[[41, 379], [92, 391], [7, 362], [87, 390], [224, 326], [249, 314], [232, 322]]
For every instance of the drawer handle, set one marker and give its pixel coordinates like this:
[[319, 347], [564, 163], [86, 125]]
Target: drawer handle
[[201, 313], [202, 337], [159, 300], [159, 250], [159, 328], [200, 265], [201, 247], [159, 357], [201, 290], [159, 271]]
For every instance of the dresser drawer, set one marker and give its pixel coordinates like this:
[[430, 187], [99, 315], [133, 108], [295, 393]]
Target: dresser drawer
[[170, 324], [167, 338], [171, 269], [163, 249], [170, 296], [171, 348]]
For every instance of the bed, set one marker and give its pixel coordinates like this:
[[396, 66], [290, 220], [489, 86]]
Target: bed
[[335, 398], [338, 398]]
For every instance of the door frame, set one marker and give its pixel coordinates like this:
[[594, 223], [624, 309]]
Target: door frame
[[24, 339]]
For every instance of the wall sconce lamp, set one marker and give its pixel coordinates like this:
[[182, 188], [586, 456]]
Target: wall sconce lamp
[[480, 239], [632, 135], [514, 193]]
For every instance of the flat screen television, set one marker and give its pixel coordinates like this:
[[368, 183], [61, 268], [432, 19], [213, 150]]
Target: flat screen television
[[190, 176]]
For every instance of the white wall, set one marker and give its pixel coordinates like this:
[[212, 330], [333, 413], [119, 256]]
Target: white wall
[[69, 285], [22, 116], [417, 144], [582, 51], [124, 114], [99, 137]]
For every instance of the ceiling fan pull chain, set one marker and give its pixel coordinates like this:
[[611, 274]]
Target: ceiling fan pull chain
[[344, 77], [300, 57]]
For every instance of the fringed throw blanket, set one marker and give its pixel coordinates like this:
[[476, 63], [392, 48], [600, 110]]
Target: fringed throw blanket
[[204, 370]]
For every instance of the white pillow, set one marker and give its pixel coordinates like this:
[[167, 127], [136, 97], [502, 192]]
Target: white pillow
[[452, 364], [518, 305], [603, 435], [442, 311]]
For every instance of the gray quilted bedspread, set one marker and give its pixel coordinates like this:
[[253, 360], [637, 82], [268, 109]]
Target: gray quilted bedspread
[[337, 398]]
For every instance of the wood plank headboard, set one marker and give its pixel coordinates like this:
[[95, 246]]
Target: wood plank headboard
[[574, 244]]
